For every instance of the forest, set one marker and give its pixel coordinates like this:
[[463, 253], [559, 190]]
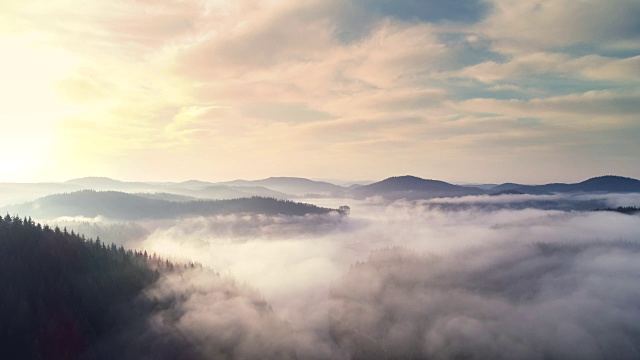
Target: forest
[[67, 297]]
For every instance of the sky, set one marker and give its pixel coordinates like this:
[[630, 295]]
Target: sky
[[462, 90]]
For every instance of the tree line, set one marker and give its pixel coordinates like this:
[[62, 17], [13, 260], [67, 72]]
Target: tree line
[[62, 294]]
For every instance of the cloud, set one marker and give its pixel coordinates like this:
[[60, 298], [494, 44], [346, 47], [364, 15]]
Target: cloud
[[545, 24], [599, 103], [606, 200], [219, 318], [242, 82], [522, 67], [557, 301], [294, 261], [428, 11]]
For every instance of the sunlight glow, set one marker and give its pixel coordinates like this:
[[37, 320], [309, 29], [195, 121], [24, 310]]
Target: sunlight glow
[[29, 104]]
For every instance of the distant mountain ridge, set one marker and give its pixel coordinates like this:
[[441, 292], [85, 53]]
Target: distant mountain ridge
[[125, 206], [607, 183], [415, 188], [291, 185], [393, 188], [412, 188]]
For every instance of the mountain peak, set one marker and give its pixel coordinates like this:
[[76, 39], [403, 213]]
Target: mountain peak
[[413, 187], [409, 179], [609, 178]]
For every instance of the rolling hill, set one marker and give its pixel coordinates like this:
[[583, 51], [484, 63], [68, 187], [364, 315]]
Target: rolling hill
[[412, 188], [292, 185], [124, 206], [604, 184]]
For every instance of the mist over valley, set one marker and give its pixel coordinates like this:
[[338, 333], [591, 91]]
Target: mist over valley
[[446, 271]]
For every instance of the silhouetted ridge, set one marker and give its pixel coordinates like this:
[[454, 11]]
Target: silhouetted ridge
[[608, 183], [506, 187], [292, 185], [119, 205], [412, 187], [64, 297], [629, 210], [507, 192], [61, 293]]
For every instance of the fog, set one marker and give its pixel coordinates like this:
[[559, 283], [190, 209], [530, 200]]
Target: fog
[[219, 318], [516, 301], [569, 201], [491, 292], [508, 276]]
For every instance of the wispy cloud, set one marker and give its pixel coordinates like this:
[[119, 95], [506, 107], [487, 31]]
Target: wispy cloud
[[138, 70]]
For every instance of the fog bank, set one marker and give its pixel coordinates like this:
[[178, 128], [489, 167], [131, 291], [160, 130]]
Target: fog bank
[[295, 260]]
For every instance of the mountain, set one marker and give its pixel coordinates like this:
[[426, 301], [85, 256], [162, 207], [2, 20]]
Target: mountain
[[219, 192], [104, 183], [193, 184], [192, 188], [480, 186], [412, 188], [292, 185], [260, 191], [507, 192], [124, 206], [222, 192], [166, 196], [608, 184], [505, 187]]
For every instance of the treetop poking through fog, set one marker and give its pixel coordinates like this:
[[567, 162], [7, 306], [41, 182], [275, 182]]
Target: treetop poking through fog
[[220, 90]]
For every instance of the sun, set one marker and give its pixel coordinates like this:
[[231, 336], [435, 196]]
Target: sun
[[29, 104]]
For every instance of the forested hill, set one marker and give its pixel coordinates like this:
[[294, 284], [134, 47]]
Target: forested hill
[[412, 188], [61, 294], [604, 184], [64, 297], [124, 206]]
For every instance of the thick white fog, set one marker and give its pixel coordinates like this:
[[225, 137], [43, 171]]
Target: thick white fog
[[514, 301], [294, 261]]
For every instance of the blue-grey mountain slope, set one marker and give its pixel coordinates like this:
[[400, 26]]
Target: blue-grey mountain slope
[[292, 185], [603, 184], [129, 207], [412, 188]]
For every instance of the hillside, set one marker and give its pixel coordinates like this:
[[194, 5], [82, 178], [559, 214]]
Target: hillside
[[63, 294], [292, 185], [412, 188], [222, 192], [608, 184], [104, 183], [505, 187], [193, 188], [124, 206], [64, 297]]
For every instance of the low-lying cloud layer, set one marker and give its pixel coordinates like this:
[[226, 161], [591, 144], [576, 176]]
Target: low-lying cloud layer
[[220, 318], [479, 277], [486, 282], [515, 301]]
